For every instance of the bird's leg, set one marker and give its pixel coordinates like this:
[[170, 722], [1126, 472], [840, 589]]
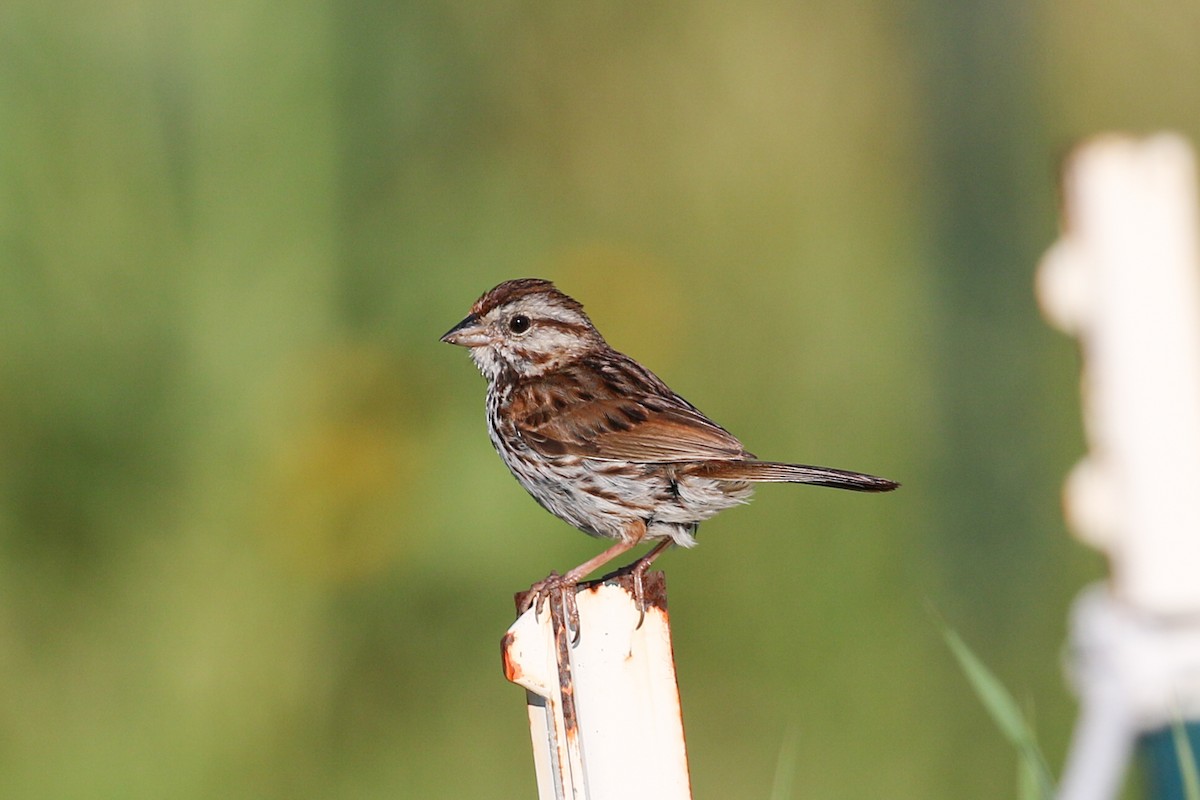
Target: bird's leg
[[565, 584]]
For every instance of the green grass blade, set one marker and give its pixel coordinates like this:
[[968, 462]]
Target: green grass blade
[[1027, 782], [785, 766], [1028, 787], [1187, 761], [1004, 712]]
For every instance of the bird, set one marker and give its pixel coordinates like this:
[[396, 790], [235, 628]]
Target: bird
[[602, 442]]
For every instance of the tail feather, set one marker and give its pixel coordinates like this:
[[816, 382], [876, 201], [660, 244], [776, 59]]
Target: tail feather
[[774, 472]]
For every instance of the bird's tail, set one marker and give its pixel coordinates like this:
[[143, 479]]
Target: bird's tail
[[774, 472]]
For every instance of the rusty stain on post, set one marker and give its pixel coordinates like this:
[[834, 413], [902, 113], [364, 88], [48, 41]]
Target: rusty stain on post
[[566, 684], [512, 670]]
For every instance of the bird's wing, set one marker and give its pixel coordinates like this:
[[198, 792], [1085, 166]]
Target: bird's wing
[[620, 412]]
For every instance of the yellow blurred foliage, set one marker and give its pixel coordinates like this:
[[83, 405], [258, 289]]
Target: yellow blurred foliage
[[337, 476]]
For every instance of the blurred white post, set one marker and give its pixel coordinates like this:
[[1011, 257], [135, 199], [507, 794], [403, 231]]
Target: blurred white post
[[604, 712], [1125, 279]]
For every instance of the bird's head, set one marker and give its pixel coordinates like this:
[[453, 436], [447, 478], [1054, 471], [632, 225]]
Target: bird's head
[[526, 326]]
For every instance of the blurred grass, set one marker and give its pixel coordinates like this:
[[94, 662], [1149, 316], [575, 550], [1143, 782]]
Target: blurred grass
[[1035, 778], [253, 541], [1190, 777]]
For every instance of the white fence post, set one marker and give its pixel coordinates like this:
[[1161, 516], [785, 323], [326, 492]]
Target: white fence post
[[604, 712], [1125, 279]]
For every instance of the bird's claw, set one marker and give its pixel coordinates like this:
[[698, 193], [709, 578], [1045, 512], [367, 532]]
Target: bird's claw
[[639, 591], [540, 591], [543, 591]]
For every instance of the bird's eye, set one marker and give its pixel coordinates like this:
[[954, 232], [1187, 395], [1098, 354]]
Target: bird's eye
[[519, 324]]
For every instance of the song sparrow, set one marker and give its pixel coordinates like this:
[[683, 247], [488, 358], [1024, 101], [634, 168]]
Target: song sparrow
[[598, 439]]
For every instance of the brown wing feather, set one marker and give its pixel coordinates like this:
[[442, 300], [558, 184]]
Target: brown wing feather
[[616, 410]]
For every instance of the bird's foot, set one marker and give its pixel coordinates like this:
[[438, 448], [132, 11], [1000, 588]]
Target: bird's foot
[[638, 570], [556, 587]]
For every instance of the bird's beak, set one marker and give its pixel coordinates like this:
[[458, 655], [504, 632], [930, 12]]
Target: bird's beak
[[468, 333]]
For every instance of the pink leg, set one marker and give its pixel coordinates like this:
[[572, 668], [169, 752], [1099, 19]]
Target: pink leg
[[592, 564], [643, 563]]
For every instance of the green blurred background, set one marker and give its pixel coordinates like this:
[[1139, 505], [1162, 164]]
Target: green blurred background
[[253, 540]]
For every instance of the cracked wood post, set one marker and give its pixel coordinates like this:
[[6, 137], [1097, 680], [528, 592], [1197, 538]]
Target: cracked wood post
[[1125, 279], [604, 713]]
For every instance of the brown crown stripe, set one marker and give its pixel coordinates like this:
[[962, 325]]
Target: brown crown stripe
[[509, 291]]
